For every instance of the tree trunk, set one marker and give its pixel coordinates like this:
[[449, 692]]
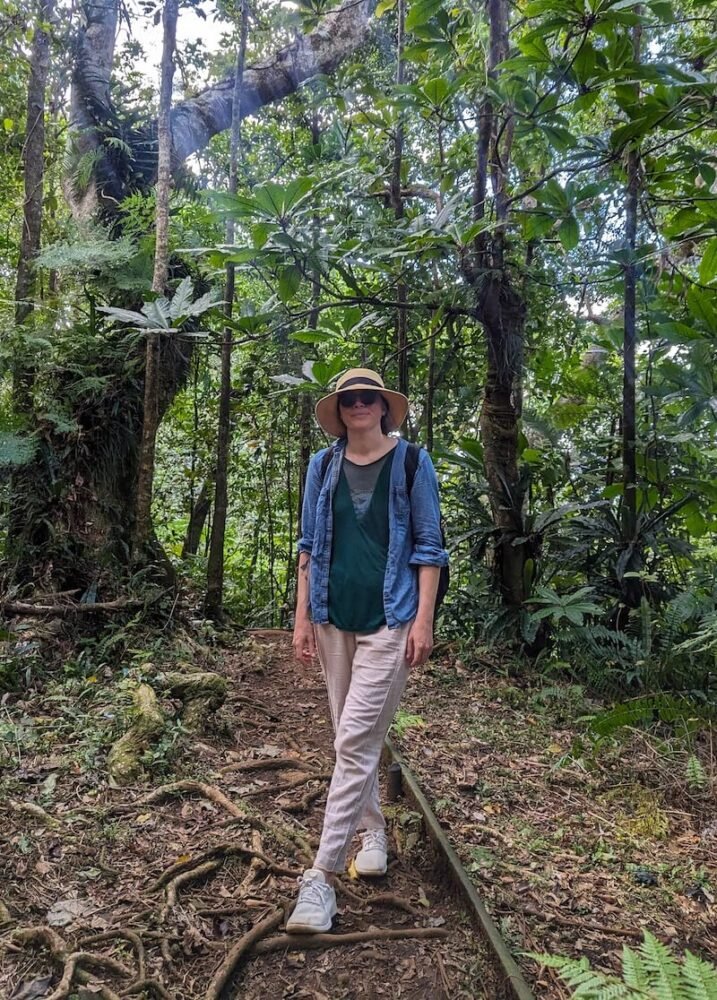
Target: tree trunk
[[503, 315], [631, 586], [74, 504], [197, 518], [500, 308], [215, 565], [194, 122], [397, 203], [143, 531], [33, 154]]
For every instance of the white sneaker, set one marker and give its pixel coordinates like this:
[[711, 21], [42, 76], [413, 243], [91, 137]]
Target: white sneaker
[[316, 907], [372, 858]]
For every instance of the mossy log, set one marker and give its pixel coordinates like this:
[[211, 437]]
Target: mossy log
[[200, 693], [123, 761]]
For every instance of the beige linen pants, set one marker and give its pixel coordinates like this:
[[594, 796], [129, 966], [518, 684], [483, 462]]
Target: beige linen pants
[[365, 674]]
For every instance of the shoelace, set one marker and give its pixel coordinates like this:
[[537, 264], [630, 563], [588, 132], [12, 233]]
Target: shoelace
[[310, 890], [374, 839]]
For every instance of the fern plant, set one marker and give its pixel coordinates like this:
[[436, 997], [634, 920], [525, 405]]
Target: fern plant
[[650, 973]]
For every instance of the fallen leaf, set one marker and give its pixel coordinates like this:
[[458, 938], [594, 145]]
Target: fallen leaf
[[64, 911], [143, 818], [352, 873], [31, 989], [43, 867], [422, 897]]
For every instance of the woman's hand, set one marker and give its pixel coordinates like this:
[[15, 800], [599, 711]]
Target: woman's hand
[[420, 642], [303, 642]]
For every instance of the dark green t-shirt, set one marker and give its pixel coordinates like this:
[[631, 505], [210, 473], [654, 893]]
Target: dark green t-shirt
[[359, 548]]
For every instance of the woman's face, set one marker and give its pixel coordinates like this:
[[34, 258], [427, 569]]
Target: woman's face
[[362, 409]]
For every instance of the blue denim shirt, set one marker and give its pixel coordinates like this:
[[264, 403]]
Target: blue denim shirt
[[414, 532]]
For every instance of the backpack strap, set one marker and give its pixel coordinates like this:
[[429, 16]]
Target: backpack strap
[[326, 460], [413, 452]]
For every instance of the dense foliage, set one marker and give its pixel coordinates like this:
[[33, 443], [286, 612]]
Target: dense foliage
[[461, 224]]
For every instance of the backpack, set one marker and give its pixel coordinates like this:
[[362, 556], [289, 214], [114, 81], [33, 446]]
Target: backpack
[[411, 464]]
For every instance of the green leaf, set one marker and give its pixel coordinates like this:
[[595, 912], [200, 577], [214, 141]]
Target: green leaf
[[708, 265], [8, 124], [436, 90], [202, 304], [157, 313], [473, 448], [384, 6], [698, 302], [181, 298], [569, 233], [312, 336], [125, 316], [289, 281], [535, 48], [559, 138], [260, 233], [296, 191], [421, 12]]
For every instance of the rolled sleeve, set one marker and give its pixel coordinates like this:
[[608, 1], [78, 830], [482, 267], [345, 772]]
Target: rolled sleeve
[[428, 548]]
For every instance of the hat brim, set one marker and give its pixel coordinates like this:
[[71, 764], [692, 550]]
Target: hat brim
[[328, 418]]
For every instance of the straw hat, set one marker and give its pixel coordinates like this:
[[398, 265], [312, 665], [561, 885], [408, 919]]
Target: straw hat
[[359, 378]]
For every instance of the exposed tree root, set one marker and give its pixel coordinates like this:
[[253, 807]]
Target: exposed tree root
[[257, 846], [72, 971], [147, 986], [43, 936], [271, 764], [123, 760], [201, 694], [230, 964], [125, 935], [190, 787], [308, 942], [241, 699], [287, 786], [20, 608], [189, 876], [70, 963], [289, 838], [382, 899], [37, 812], [305, 802], [216, 855]]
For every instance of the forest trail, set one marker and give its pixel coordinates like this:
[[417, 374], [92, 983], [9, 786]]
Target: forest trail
[[160, 885]]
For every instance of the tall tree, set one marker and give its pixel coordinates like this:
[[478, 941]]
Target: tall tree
[[150, 421], [215, 564], [97, 490], [33, 161], [500, 309]]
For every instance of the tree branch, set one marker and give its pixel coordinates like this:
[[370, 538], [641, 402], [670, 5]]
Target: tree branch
[[340, 33]]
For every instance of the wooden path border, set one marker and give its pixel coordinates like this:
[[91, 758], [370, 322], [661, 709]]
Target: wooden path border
[[514, 985]]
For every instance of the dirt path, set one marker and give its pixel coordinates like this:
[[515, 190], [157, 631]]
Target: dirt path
[[173, 878]]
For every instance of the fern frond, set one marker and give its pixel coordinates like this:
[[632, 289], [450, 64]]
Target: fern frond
[[663, 969], [633, 971], [700, 978]]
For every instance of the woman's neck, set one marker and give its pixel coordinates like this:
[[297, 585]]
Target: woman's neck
[[369, 444]]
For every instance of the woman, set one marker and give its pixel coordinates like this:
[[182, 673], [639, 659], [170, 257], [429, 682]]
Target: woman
[[369, 564]]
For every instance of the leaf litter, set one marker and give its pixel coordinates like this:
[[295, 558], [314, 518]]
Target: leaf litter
[[160, 881]]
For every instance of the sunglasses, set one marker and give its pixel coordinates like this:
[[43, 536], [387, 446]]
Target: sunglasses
[[367, 396]]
